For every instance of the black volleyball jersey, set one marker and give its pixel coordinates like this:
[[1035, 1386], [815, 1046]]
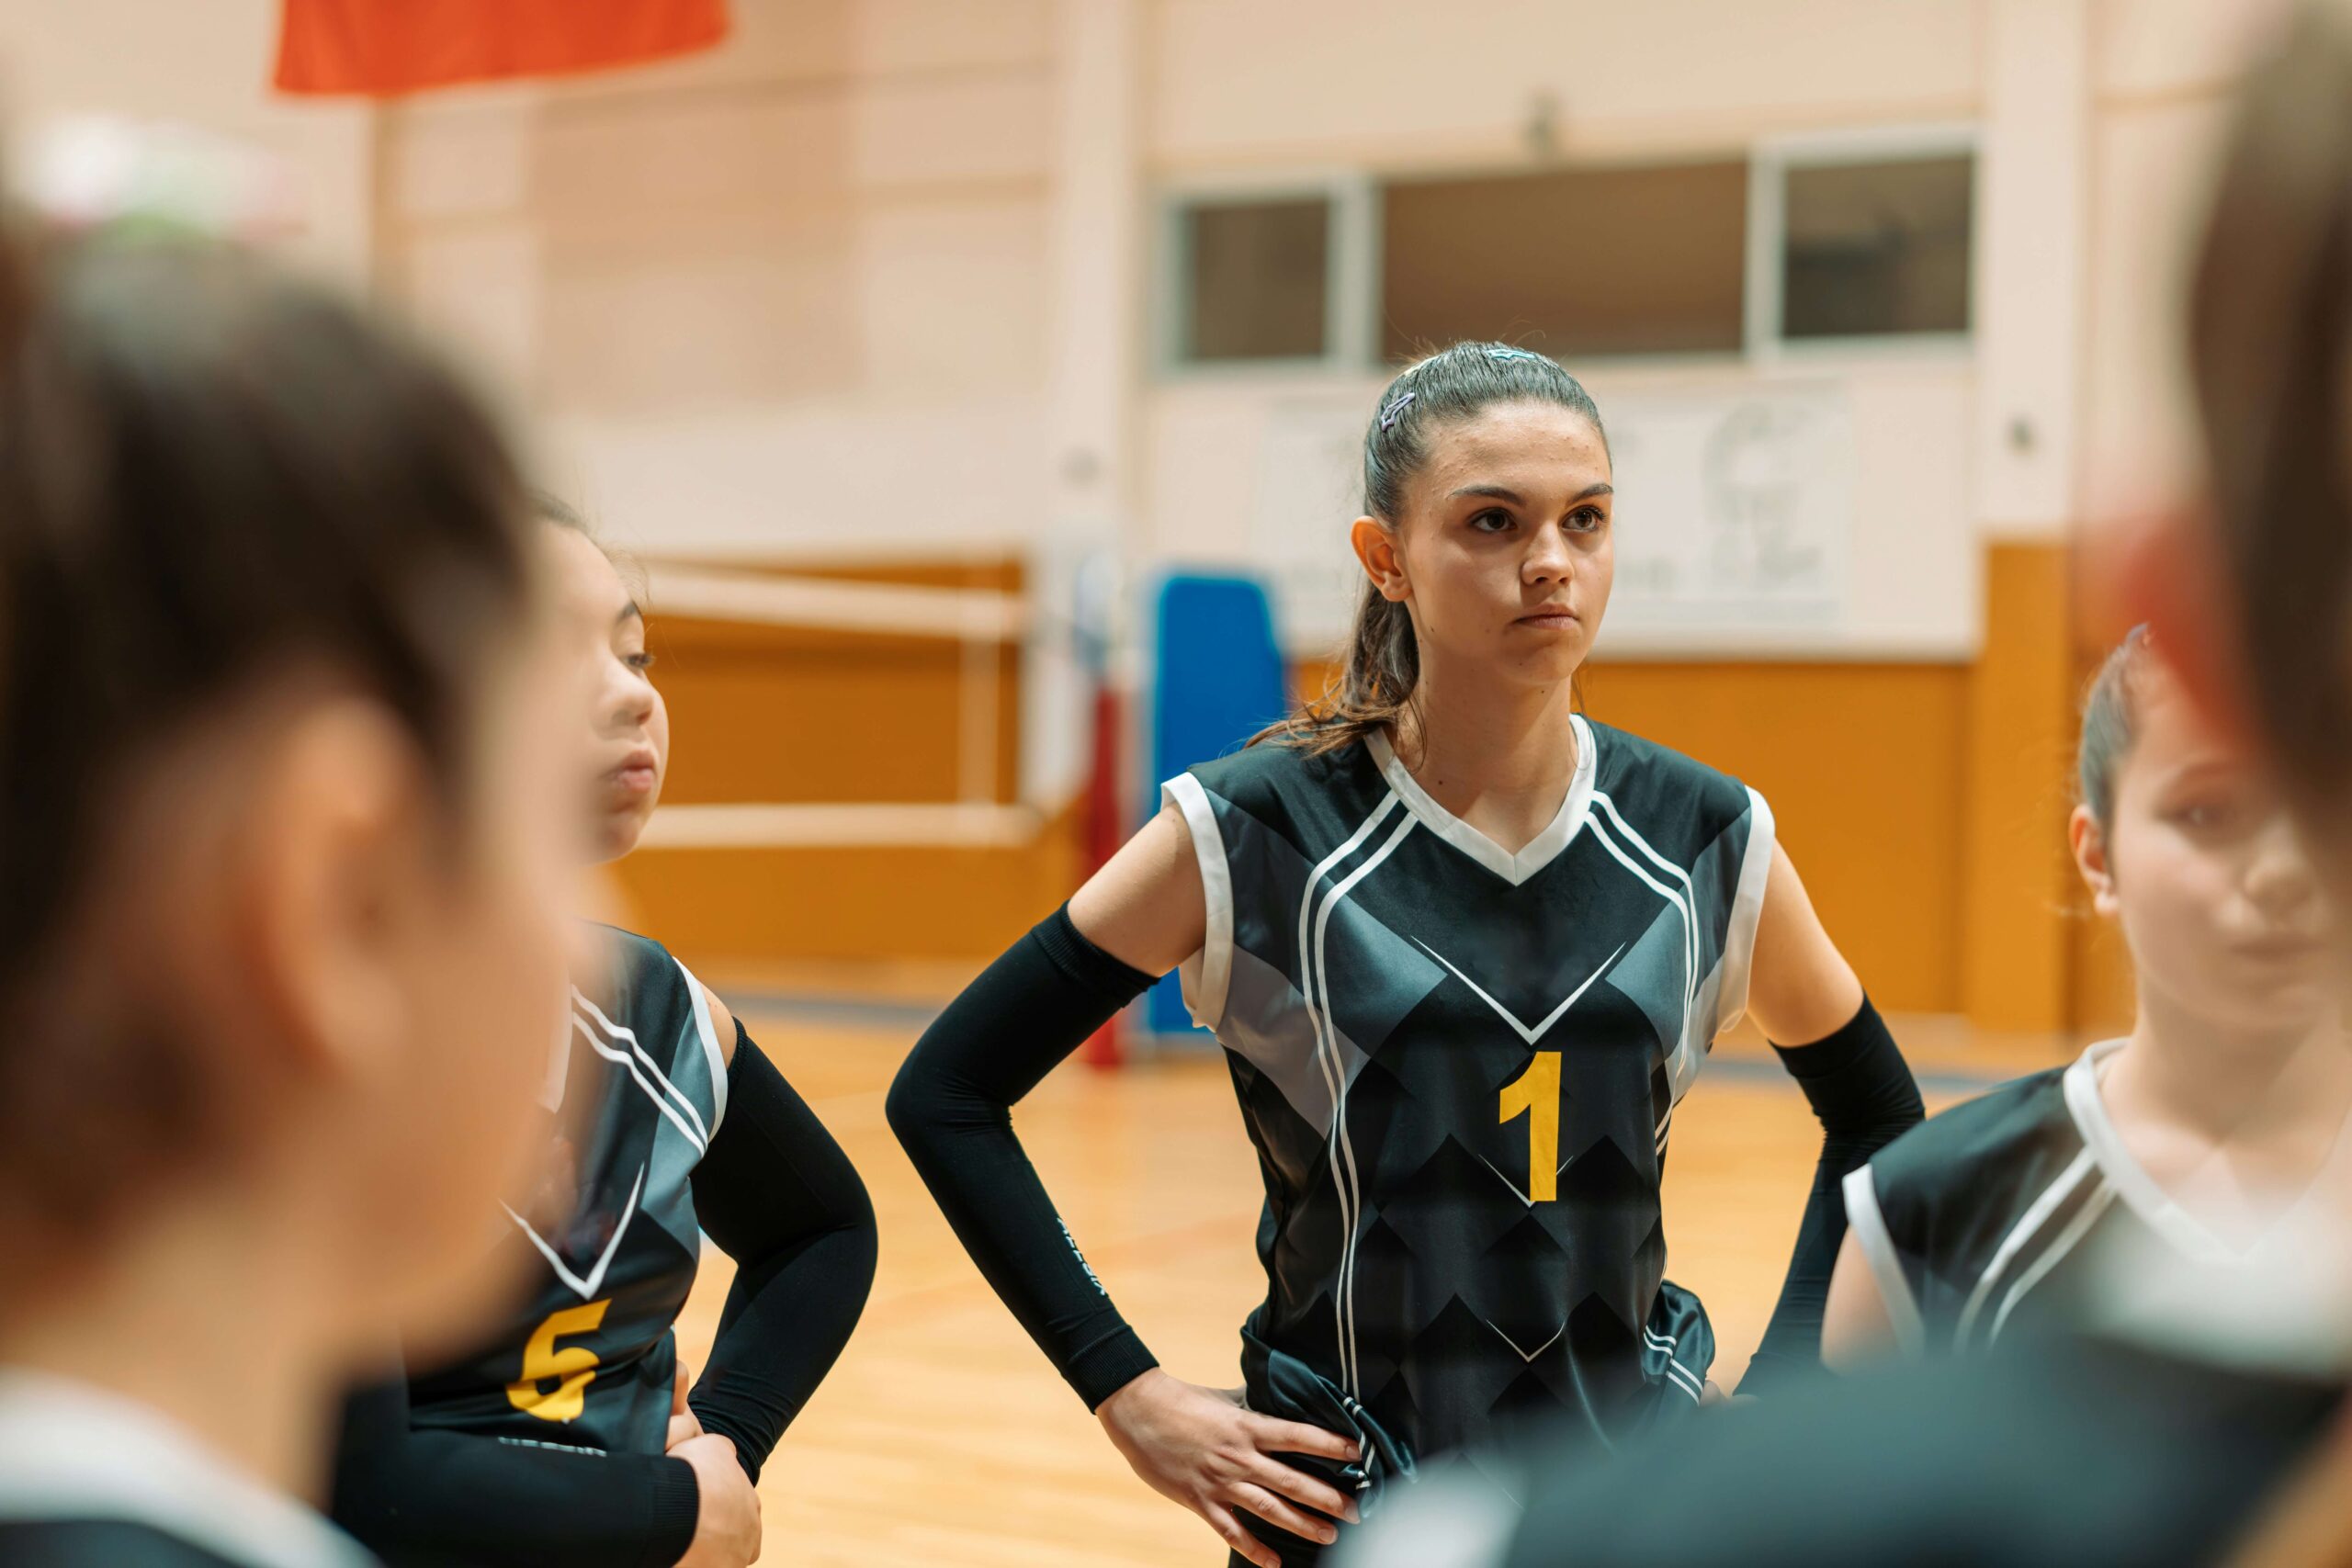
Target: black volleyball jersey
[[1460, 1067], [2020, 1210], [587, 1360]]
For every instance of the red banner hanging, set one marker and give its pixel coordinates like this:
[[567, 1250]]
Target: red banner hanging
[[383, 48]]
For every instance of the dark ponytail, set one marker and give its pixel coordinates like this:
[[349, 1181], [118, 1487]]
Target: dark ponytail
[[1384, 664]]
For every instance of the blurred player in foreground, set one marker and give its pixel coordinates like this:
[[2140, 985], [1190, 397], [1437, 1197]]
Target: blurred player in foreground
[[290, 819]]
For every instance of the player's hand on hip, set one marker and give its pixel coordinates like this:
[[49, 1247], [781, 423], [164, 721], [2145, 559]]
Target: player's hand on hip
[[727, 1523], [1199, 1446]]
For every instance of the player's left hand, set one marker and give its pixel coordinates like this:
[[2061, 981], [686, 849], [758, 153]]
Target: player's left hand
[[684, 1426]]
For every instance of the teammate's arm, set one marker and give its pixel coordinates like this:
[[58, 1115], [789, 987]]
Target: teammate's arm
[[1137, 918], [456, 1499], [1855, 1327], [780, 1198], [1860, 1090]]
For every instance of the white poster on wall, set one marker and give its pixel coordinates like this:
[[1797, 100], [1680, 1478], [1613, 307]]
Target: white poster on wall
[[1735, 518]]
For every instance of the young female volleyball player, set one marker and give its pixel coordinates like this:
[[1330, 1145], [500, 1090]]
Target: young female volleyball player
[[1465, 951], [2121, 1446], [558, 1439], [289, 810], [2196, 1133]]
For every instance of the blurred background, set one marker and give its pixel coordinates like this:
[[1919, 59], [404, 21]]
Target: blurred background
[[980, 383]]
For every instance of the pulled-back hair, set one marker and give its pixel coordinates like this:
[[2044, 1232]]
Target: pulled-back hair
[[1383, 662], [2110, 724]]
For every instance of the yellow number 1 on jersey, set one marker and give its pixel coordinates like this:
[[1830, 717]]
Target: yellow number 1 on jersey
[[1537, 1092], [572, 1367]]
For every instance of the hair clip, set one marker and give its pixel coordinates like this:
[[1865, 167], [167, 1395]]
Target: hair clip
[[1388, 415], [1511, 353]]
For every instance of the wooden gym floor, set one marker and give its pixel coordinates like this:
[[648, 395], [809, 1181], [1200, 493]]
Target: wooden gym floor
[[943, 1439]]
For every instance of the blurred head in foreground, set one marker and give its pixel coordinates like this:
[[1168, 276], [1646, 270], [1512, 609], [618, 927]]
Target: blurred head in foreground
[[291, 801], [2252, 602]]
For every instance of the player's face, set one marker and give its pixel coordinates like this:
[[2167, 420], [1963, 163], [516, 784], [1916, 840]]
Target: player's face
[[2202, 864], [1505, 549], [629, 728]]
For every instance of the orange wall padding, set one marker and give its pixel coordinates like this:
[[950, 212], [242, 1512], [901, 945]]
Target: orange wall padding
[[1924, 804], [383, 48]]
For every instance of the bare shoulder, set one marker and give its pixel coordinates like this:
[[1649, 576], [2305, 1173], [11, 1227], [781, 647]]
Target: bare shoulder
[[1145, 907], [722, 1023]]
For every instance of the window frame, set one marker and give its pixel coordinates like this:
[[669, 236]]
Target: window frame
[[1352, 279], [1771, 159]]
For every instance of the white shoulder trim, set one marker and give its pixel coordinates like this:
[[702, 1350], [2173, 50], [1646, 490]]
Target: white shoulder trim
[[1205, 985], [1747, 909], [70, 1451], [710, 1048], [1868, 1223]]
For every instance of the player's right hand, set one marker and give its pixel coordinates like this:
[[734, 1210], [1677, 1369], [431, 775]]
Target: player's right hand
[[727, 1526], [1199, 1446]]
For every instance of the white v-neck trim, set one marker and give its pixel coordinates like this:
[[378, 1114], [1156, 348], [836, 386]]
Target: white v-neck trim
[[1538, 851], [70, 1452], [2186, 1233]]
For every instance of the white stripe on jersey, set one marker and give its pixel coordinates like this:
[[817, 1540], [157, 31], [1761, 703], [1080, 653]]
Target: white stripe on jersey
[[1323, 1052], [690, 1123], [1869, 1225], [585, 1288], [1689, 938], [2074, 1233], [2034, 1219], [1322, 973], [710, 1048]]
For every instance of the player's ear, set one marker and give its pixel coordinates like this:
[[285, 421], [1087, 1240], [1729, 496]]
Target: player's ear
[[335, 864], [2088, 841], [1376, 546]]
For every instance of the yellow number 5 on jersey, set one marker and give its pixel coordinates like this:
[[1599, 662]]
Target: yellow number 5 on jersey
[[572, 1366], [1537, 1092]]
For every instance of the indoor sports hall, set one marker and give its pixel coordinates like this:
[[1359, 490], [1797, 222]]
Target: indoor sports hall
[[972, 394]]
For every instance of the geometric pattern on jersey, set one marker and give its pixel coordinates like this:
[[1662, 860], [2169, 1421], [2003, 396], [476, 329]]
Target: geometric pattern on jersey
[[1379, 973], [2011, 1213], [607, 1281]]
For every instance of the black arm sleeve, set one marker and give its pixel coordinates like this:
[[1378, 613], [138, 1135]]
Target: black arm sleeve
[[952, 1107], [436, 1499], [779, 1197], [1862, 1091]]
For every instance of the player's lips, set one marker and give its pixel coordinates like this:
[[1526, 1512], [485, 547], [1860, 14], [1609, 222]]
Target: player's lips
[[1551, 617], [636, 772], [2280, 947]]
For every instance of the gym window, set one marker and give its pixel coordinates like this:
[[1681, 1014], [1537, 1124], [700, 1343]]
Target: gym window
[[1575, 263], [1262, 276], [1862, 239]]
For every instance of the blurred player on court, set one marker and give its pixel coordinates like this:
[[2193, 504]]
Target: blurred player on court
[[1465, 951], [2220, 1114], [290, 809], [567, 1435]]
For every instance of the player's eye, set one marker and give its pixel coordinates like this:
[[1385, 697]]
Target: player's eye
[[639, 661], [1587, 519], [1494, 520], [2205, 816]]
